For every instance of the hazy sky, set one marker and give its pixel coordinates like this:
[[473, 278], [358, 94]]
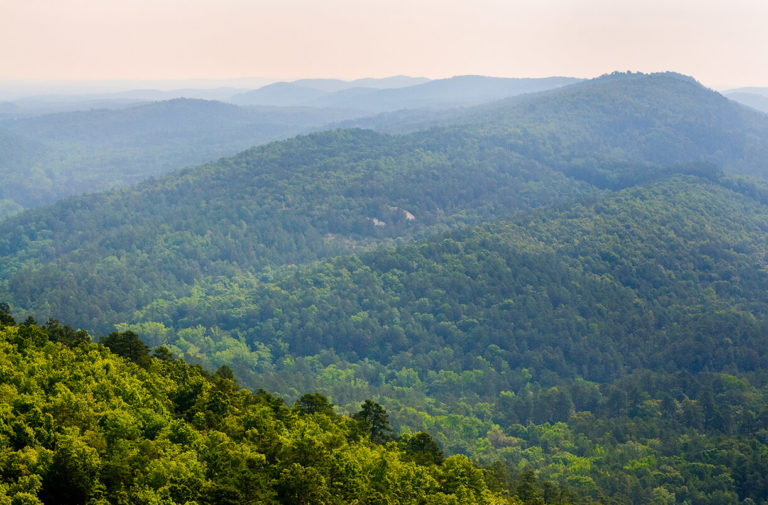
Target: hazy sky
[[721, 43]]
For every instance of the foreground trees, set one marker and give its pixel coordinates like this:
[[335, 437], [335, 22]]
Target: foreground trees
[[80, 424]]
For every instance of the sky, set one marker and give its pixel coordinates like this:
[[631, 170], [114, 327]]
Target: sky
[[723, 44]]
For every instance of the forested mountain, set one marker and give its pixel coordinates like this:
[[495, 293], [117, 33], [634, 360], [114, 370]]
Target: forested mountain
[[630, 118], [603, 129], [329, 193], [91, 150], [279, 94], [303, 91], [395, 81], [457, 91], [285, 203], [46, 158], [644, 313], [81, 424], [572, 282]]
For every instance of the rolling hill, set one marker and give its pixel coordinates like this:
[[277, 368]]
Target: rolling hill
[[59, 155], [757, 98], [571, 282], [91, 150], [84, 423], [363, 95], [331, 193]]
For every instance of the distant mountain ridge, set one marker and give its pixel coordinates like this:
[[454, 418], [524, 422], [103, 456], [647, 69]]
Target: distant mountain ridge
[[757, 98], [654, 118], [128, 140], [361, 95], [62, 154]]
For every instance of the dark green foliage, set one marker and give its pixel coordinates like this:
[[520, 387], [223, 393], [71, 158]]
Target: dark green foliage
[[313, 403], [6, 319], [72, 475], [638, 319], [65, 334], [374, 422], [423, 449], [128, 345], [325, 194], [104, 256], [613, 345]]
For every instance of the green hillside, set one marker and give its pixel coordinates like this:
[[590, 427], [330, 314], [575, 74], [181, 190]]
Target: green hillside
[[80, 424], [615, 346], [285, 203], [622, 283], [572, 283], [94, 260], [604, 130], [629, 330], [53, 156], [631, 118]]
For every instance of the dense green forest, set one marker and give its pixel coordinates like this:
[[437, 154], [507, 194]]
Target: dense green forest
[[643, 313], [49, 157], [612, 127], [109, 424], [95, 260], [570, 286], [286, 203]]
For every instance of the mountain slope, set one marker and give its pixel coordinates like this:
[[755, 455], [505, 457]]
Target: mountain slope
[[606, 329], [330, 193], [289, 202], [606, 129], [84, 425], [620, 340], [630, 118], [87, 151], [755, 98], [621, 283], [279, 94], [372, 96], [457, 91]]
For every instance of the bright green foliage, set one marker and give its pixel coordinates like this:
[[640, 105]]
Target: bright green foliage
[[607, 335], [645, 310], [82, 425]]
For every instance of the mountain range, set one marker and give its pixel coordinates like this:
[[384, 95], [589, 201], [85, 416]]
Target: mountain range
[[757, 98], [120, 139], [440, 93], [571, 281]]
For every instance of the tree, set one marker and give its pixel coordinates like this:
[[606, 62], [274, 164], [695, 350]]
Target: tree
[[423, 449], [5, 315], [65, 334], [313, 403], [374, 421], [128, 345]]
